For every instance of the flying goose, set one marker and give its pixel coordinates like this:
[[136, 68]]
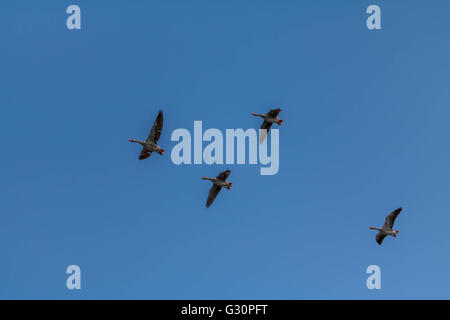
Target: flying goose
[[269, 118], [387, 228], [218, 182], [151, 143]]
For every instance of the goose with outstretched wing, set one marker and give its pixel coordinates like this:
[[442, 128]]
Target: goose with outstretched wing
[[151, 143], [218, 182], [386, 230], [270, 118]]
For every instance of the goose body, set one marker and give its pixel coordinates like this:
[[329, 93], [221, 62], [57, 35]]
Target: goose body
[[219, 182], [151, 143], [149, 146], [387, 230]]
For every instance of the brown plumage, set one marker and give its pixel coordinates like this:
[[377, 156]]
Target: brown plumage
[[151, 143], [218, 183], [386, 230], [269, 118]]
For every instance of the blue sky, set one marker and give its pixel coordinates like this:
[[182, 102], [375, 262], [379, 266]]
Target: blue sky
[[366, 131]]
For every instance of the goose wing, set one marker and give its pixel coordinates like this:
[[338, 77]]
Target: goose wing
[[273, 113], [144, 154], [379, 237], [264, 130], [213, 192], [155, 133], [224, 175], [389, 222], [266, 126]]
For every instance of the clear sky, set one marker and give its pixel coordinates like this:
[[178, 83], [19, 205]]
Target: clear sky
[[366, 131]]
